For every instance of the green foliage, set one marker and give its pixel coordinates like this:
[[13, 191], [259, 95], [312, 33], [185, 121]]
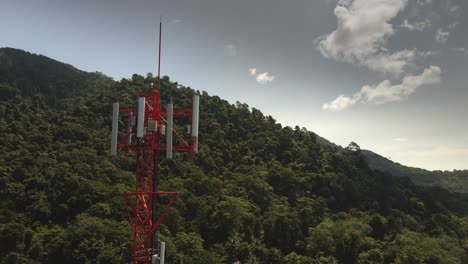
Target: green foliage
[[456, 181], [257, 192]]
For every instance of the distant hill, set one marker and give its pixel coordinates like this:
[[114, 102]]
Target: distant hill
[[257, 192], [456, 181], [36, 74]]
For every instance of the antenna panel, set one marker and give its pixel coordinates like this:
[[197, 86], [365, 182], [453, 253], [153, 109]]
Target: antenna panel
[[170, 124], [141, 117], [195, 118], [115, 128]]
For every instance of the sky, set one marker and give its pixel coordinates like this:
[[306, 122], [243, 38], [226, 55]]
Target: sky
[[390, 75]]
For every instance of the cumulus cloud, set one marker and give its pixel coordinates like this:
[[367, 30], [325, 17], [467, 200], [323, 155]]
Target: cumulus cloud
[[360, 38], [391, 63], [262, 78], [340, 103], [362, 31], [385, 91], [416, 26], [265, 77], [230, 50], [442, 36]]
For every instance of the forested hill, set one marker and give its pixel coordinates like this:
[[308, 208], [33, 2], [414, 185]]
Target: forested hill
[[257, 192], [456, 180], [34, 75]]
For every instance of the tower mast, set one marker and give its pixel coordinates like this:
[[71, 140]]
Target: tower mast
[[159, 56], [146, 124]]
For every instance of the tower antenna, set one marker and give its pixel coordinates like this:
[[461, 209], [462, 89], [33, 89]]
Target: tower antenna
[[159, 56], [143, 136]]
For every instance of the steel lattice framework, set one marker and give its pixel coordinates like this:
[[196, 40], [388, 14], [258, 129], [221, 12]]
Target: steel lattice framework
[[144, 209]]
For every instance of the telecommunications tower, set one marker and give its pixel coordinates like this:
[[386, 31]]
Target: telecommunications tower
[[143, 134]]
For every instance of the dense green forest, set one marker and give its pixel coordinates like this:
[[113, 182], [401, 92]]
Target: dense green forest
[[257, 192], [456, 180]]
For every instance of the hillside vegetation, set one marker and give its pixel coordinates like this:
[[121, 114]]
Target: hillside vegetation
[[257, 192], [456, 181]]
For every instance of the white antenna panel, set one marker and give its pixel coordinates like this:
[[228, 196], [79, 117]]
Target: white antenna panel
[[115, 128], [141, 117], [195, 119], [170, 124]]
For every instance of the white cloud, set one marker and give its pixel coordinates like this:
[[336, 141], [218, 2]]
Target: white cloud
[[265, 77], [401, 139], [391, 63], [340, 103], [261, 78], [442, 36], [416, 26], [385, 91], [230, 50], [360, 38], [362, 31]]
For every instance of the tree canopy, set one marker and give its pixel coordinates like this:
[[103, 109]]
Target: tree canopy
[[257, 192]]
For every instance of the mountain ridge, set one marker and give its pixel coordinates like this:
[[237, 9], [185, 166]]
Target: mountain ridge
[[456, 180], [257, 192]]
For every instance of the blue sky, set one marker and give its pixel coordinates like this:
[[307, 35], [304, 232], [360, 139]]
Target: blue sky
[[390, 75]]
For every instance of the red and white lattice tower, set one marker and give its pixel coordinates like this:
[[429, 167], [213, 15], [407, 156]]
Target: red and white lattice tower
[[144, 131]]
